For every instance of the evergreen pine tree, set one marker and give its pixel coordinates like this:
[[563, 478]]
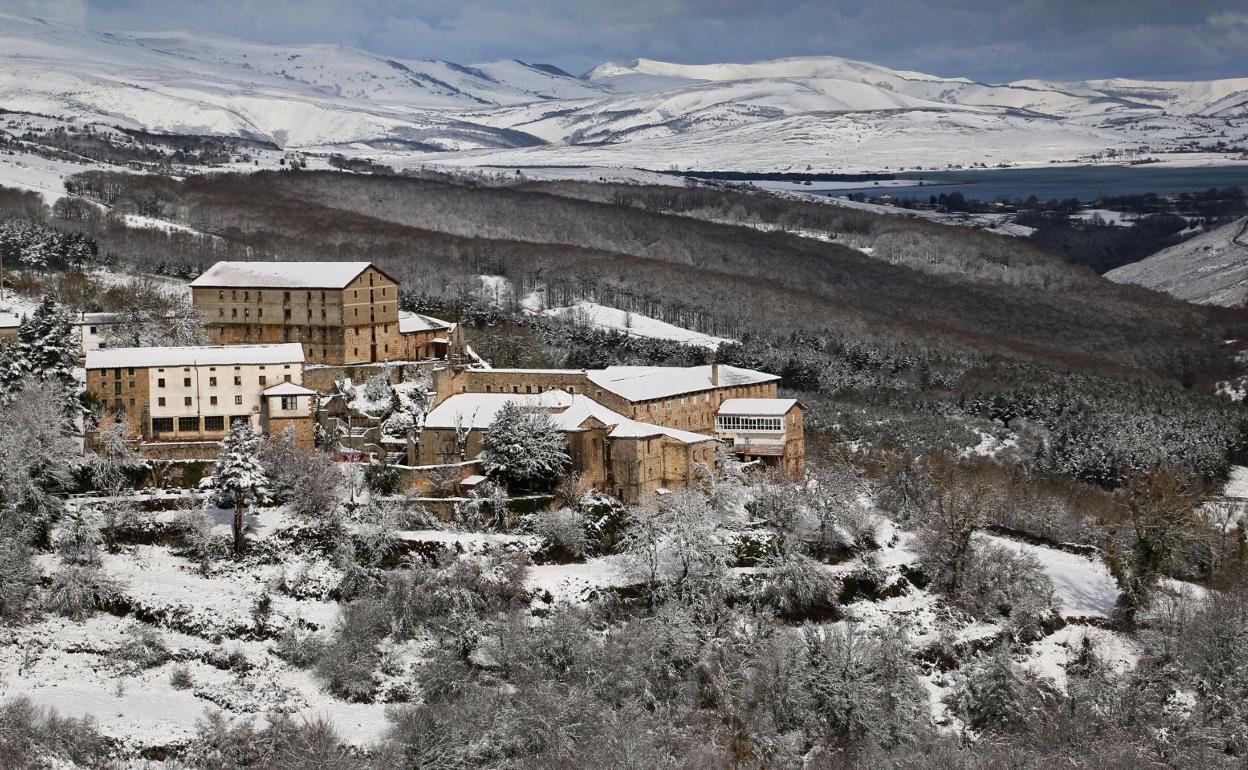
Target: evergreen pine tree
[[238, 474], [46, 344]]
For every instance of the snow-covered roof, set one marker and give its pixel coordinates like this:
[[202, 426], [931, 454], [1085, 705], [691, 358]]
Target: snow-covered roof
[[477, 410], [99, 318], [569, 412], [221, 355], [757, 406], [415, 322], [644, 383], [289, 389], [10, 321], [281, 275], [472, 481]]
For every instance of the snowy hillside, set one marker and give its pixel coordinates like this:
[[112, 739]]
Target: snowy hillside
[[1210, 269], [291, 96], [825, 112]]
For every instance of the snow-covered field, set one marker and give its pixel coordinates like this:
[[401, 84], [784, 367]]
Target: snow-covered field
[[499, 290], [633, 324]]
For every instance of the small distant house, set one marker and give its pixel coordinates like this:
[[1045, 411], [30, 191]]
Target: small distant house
[[10, 326]]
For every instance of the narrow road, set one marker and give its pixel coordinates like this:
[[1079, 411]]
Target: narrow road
[[1238, 240]]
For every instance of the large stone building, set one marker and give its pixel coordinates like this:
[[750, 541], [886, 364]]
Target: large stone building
[[613, 453], [682, 398], [340, 312], [191, 395]]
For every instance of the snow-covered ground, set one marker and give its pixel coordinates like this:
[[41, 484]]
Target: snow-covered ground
[[634, 324], [499, 290], [1084, 587]]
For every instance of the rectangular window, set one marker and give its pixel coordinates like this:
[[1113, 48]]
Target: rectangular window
[[162, 425], [186, 401], [238, 380], [290, 403], [238, 399], [214, 423], [160, 401], [186, 382], [160, 382], [130, 371], [263, 380], [116, 388], [212, 382], [188, 425], [286, 377], [212, 400]]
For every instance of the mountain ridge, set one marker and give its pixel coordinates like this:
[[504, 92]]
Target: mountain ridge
[[824, 111]]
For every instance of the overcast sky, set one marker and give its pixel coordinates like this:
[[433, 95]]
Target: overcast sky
[[990, 41]]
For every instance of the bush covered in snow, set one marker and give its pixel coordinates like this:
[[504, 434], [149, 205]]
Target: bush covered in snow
[[33, 738], [18, 579], [142, 648], [1000, 582], [285, 743], [796, 585], [348, 663], [78, 590]]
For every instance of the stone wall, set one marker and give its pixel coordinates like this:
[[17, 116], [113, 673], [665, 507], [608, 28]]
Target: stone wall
[[304, 436], [322, 378], [125, 391], [451, 380]]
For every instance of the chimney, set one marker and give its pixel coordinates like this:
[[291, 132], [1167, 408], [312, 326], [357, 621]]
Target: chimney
[[715, 374]]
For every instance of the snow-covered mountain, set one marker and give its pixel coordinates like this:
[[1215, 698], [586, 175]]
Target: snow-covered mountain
[[1210, 269], [824, 112], [292, 95]]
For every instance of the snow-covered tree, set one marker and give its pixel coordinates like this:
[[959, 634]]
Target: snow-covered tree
[[239, 475], [116, 458], [307, 480], [524, 446], [996, 694], [36, 452], [797, 584], [46, 344], [677, 541], [151, 315]]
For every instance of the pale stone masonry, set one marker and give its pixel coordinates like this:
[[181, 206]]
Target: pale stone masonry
[[610, 452], [194, 393], [340, 312], [681, 398]]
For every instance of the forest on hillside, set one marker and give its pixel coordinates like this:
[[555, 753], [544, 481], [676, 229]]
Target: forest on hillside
[[990, 432]]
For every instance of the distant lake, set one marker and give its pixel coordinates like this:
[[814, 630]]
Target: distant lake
[[1083, 182]]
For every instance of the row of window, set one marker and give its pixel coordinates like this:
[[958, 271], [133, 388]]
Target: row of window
[[189, 401], [286, 296], [163, 425], [527, 389], [733, 422], [212, 381]]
